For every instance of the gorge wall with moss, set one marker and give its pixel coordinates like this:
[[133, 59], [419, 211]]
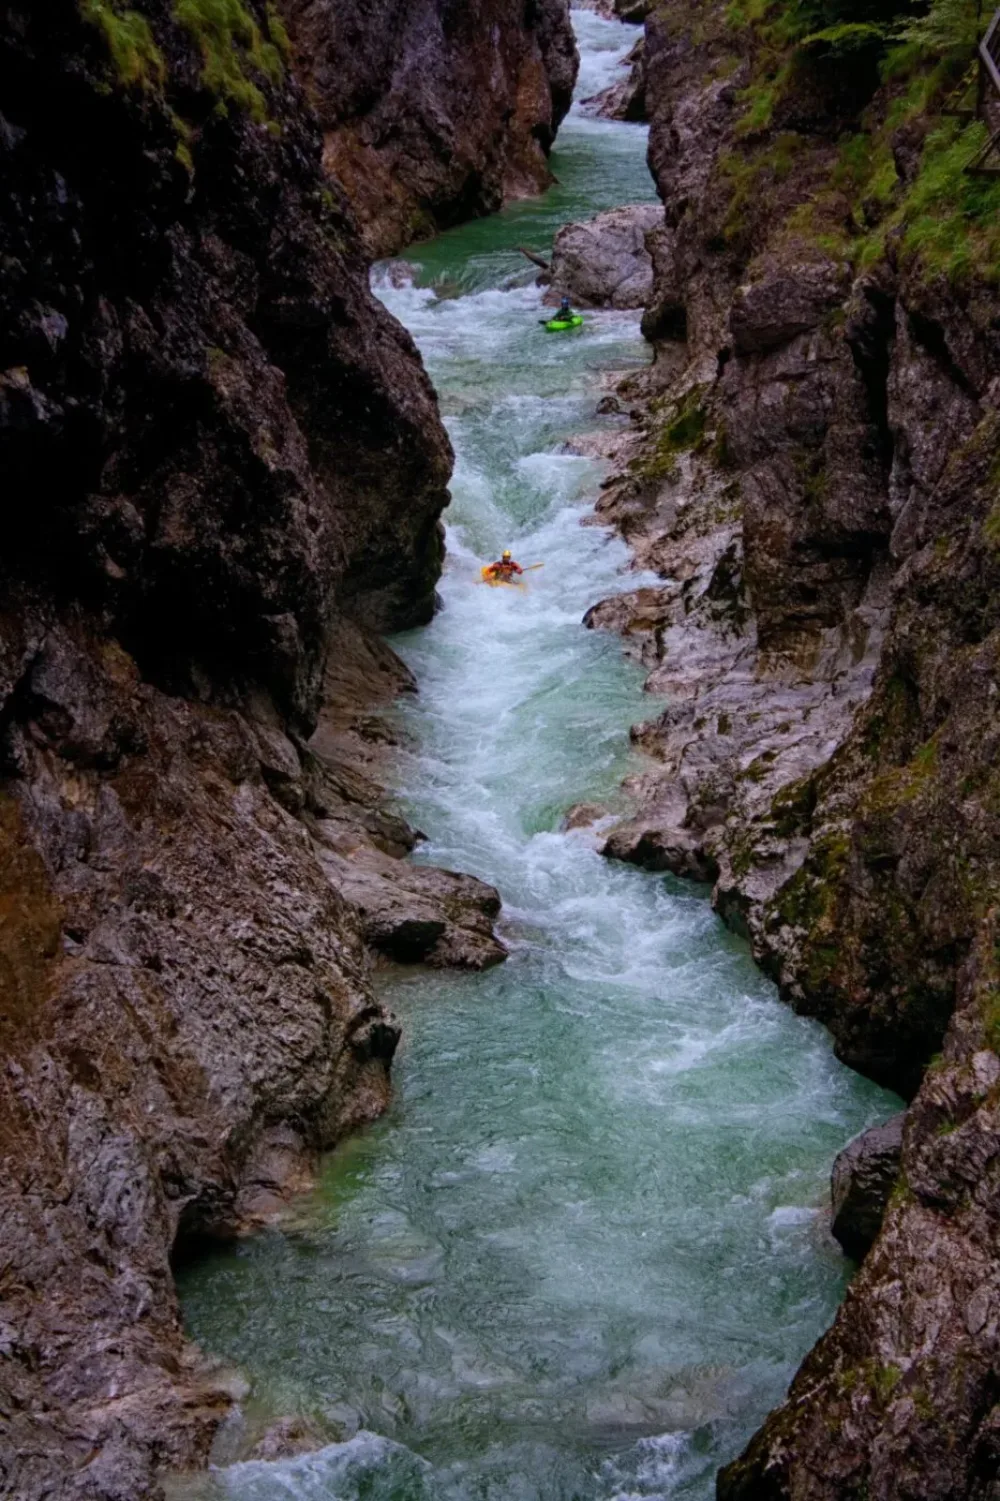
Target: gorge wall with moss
[[817, 481], [224, 470]]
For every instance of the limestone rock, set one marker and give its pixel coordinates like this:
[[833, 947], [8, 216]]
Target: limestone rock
[[783, 300], [864, 1175], [433, 113], [417, 913], [606, 261]]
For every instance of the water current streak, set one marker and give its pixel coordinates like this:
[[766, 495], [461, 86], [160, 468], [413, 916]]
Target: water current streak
[[585, 1251]]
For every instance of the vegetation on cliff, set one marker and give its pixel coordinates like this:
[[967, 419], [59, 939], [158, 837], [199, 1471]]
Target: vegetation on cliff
[[904, 75]]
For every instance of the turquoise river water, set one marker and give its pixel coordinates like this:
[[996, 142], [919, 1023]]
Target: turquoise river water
[[584, 1252]]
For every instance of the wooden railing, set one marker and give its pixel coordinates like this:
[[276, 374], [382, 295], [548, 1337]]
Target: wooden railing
[[988, 104]]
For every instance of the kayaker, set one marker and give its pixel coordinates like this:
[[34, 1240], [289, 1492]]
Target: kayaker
[[505, 569], [565, 313]]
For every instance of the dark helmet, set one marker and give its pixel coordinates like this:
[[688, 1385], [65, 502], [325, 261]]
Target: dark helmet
[[565, 302]]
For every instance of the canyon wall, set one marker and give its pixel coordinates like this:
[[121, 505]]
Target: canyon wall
[[434, 111], [816, 479], [224, 470]]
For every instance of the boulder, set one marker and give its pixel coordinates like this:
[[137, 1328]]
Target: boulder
[[607, 261], [415, 914], [863, 1177]]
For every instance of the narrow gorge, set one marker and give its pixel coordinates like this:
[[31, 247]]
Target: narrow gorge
[[255, 856]]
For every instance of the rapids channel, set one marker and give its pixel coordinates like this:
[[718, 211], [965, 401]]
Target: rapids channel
[[583, 1254]]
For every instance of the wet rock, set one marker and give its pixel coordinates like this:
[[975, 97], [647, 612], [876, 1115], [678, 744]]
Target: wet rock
[[583, 815], [415, 913], [607, 261], [286, 1439], [659, 848], [864, 1175], [433, 113]]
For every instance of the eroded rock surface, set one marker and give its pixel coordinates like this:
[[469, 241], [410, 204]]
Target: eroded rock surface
[[435, 111], [223, 464]]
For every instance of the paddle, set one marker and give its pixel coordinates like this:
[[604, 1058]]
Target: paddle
[[531, 567]]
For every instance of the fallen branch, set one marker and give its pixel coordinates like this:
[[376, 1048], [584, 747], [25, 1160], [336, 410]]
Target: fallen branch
[[535, 259]]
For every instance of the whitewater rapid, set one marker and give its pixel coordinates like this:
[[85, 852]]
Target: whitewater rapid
[[582, 1255]]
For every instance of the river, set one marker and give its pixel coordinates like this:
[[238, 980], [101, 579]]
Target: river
[[584, 1252]]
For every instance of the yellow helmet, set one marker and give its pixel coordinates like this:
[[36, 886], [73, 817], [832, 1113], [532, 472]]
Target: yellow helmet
[[506, 555]]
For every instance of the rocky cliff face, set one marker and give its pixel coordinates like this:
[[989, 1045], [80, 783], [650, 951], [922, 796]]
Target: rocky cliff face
[[223, 465], [435, 111], [817, 483]]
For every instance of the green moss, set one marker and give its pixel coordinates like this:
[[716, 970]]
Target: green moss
[[748, 173], [686, 431], [681, 428], [883, 1380], [185, 137], [902, 1194], [946, 219], [234, 52], [809, 899], [991, 527], [792, 808], [236, 56], [951, 219], [277, 32], [900, 786], [741, 14], [137, 60], [759, 102]]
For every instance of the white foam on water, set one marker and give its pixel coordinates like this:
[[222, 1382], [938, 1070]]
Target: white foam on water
[[365, 1468], [604, 45], [582, 1256]]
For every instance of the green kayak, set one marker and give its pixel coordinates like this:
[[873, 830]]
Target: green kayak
[[558, 325]]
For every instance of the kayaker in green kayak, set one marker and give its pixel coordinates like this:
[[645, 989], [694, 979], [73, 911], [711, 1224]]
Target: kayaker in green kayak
[[564, 317]]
